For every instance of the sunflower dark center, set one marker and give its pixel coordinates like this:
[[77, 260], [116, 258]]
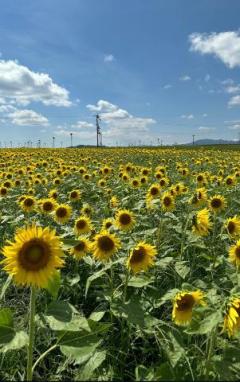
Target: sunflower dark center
[[167, 201], [28, 202], [3, 191], [61, 212], [138, 255], [105, 243], [229, 181], [108, 224], [154, 191], [81, 224], [216, 203], [186, 303], [74, 194], [231, 227], [162, 182], [237, 252], [34, 255], [125, 219], [47, 206], [200, 178], [80, 246]]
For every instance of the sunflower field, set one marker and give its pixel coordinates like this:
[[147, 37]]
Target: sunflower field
[[120, 264]]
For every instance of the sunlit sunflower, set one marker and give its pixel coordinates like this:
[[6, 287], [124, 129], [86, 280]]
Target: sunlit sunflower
[[28, 204], [153, 191], [74, 195], [47, 205], [34, 256], [53, 194], [183, 304], [62, 213], [107, 223], [167, 202], [232, 317], [201, 223], [233, 226], [81, 248], [105, 244], [82, 225], [141, 257], [124, 220], [234, 253], [217, 203], [114, 202], [230, 181], [86, 209]]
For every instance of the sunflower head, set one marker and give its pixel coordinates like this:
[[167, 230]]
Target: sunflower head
[[28, 204], [167, 202], [74, 195], [232, 316], [107, 223], [141, 257], [233, 226], [34, 256], [201, 223], [183, 304], [81, 248], [105, 244], [62, 213], [124, 220], [82, 225], [47, 205], [234, 253], [217, 203]]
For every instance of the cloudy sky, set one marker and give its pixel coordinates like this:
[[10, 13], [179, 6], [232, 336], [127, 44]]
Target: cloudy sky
[[153, 69]]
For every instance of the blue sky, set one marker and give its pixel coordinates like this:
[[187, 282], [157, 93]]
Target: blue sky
[[153, 69]]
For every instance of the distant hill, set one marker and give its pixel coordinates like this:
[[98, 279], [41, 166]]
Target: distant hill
[[202, 142]]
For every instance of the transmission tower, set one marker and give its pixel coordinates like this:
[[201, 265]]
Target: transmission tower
[[98, 131], [193, 139]]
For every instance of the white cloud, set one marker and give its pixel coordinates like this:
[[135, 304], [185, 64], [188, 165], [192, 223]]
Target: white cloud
[[234, 101], [206, 128], [119, 123], [82, 125], [224, 45], [27, 118], [185, 78], [234, 127], [187, 116], [23, 85], [109, 58], [204, 115], [167, 86], [233, 89]]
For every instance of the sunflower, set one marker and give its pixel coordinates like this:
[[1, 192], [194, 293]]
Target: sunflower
[[34, 256], [230, 181], [53, 194], [199, 197], [28, 204], [141, 257], [107, 223], [3, 191], [86, 209], [234, 253], [105, 244], [153, 191], [183, 304], [74, 195], [217, 203], [233, 226], [135, 183], [167, 202], [232, 317], [47, 205], [82, 225], [124, 220], [201, 223], [81, 248], [62, 213], [114, 202]]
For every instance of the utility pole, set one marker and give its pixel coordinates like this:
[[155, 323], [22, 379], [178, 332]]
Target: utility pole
[[71, 135], [193, 137], [239, 137], [53, 142], [98, 131]]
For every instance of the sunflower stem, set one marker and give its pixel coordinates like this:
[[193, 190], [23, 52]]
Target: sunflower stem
[[31, 333], [125, 287], [210, 347]]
